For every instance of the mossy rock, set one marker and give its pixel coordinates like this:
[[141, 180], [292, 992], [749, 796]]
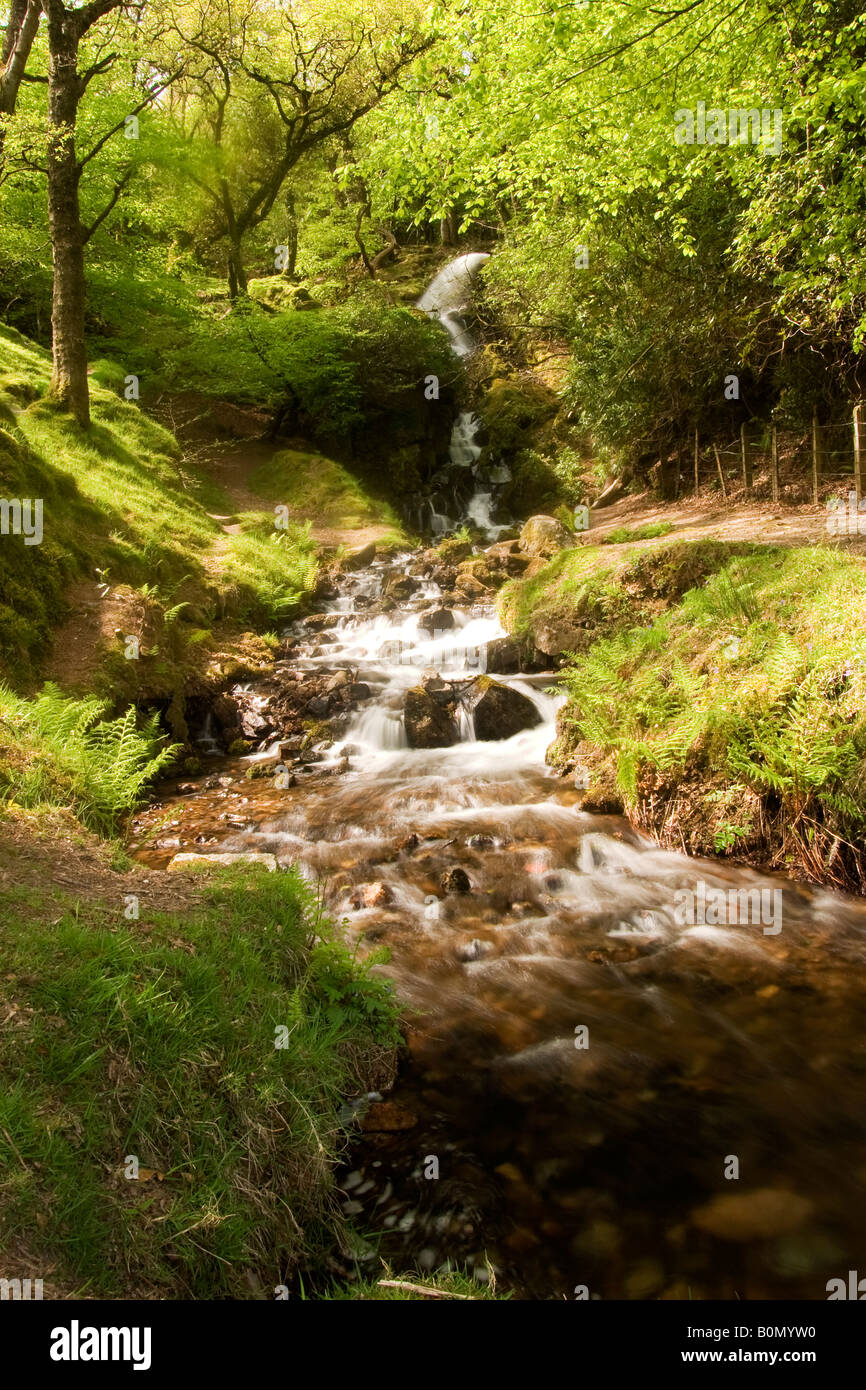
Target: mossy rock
[[511, 408], [279, 293], [19, 387]]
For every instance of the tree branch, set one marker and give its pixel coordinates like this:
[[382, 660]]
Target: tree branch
[[87, 232]]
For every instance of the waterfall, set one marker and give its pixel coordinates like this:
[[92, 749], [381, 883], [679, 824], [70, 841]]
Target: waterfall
[[447, 299]]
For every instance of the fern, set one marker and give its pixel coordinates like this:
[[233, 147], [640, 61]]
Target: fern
[[66, 752]]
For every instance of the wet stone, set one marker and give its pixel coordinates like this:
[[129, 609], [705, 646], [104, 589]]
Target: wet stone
[[455, 881]]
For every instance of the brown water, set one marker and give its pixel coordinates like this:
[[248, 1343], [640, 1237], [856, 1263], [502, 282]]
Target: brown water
[[560, 1164]]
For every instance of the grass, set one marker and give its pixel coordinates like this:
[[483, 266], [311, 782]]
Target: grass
[[119, 502], [623, 534], [272, 569], [155, 1040], [718, 692], [322, 488]]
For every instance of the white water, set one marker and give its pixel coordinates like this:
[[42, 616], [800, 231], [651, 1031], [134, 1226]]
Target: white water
[[391, 653], [447, 299]]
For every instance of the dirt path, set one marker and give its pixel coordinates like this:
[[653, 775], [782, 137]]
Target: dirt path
[[701, 519]]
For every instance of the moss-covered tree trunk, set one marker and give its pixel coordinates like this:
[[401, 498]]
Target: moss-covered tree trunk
[[69, 377], [66, 28]]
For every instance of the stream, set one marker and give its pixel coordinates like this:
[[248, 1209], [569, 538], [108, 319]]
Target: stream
[[599, 1099]]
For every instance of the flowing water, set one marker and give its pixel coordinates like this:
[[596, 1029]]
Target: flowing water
[[598, 1094], [447, 299]]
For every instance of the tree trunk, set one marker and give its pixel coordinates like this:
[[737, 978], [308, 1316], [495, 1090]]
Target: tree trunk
[[448, 229], [237, 276], [17, 11], [69, 377], [291, 236], [18, 39]]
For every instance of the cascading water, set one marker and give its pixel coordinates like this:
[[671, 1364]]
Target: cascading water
[[583, 1064], [447, 299]]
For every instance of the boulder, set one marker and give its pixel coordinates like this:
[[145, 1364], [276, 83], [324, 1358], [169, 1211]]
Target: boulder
[[226, 714], [455, 881], [184, 861], [553, 635], [499, 711], [428, 723], [505, 555], [503, 656], [544, 536], [438, 620], [359, 558]]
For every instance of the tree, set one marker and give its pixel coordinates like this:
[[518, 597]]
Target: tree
[[21, 29], [275, 84], [67, 84]]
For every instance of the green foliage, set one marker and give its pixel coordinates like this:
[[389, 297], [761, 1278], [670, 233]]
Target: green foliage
[[271, 568], [159, 1039], [755, 675], [59, 751], [351, 994], [622, 534]]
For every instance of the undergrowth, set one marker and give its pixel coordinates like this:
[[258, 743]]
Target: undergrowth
[[60, 751], [170, 1108]]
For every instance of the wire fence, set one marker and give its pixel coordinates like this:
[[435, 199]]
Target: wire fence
[[765, 459]]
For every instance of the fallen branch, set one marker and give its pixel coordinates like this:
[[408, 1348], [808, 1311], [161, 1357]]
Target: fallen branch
[[420, 1288]]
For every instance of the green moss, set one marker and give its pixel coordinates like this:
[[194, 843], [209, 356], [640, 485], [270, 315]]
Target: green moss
[[319, 487]]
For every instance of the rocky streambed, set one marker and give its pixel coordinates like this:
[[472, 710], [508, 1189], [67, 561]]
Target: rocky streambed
[[600, 1097]]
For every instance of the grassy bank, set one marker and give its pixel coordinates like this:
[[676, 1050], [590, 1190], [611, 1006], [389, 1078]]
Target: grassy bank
[[121, 505], [716, 694], [155, 1039]]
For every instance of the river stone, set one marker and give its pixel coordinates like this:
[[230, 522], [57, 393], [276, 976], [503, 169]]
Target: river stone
[[439, 620], [503, 656], [455, 881], [401, 586], [553, 636], [428, 723], [387, 1116], [499, 711], [372, 895], [183, 861], [757, 1215], [359, 558], [544, 535]]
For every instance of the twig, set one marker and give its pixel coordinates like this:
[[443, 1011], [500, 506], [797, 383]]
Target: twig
[[420, 1288]]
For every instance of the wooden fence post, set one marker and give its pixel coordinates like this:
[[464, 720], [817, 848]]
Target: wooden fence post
[[816, 457], [858, 451], [747, 460], [721, 475], [774, 465], [697, 462]]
